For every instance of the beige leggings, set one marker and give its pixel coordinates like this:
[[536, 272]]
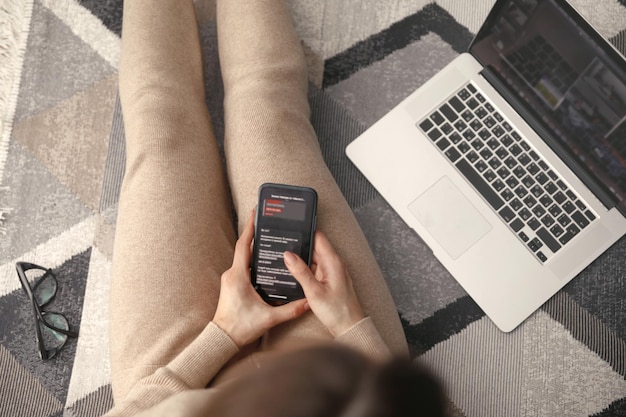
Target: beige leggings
[[175, 233]]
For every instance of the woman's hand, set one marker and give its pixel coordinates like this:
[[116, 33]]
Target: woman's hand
[[241, 312], [327, 286]]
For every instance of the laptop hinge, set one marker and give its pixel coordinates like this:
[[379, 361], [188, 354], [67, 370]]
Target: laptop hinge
[[596, 188]]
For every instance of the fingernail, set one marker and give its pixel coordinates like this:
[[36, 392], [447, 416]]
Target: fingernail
[[289, 258]]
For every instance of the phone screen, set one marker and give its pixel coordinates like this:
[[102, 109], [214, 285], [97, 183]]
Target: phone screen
[[285, 221]]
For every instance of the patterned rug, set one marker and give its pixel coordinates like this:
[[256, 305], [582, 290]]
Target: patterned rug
[[62, 160]]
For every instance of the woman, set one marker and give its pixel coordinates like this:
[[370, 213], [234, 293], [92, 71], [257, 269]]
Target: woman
[[184, 315]]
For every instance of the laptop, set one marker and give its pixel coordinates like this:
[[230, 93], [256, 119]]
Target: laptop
[[510, 163]]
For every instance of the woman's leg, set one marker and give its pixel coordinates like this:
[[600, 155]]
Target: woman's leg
[[269, 138], [174, 233]]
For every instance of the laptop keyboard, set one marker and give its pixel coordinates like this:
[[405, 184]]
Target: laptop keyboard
[[528, 195]]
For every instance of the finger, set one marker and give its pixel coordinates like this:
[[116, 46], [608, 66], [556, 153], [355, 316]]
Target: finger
[[300, 271], [243, 246], [323, 247], [289, 311]]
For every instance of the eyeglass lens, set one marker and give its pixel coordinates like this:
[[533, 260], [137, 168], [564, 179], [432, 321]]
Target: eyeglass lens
[[44, 285], [52, 339]]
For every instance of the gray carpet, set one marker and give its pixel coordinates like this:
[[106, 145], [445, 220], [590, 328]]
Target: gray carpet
[[62, 160]]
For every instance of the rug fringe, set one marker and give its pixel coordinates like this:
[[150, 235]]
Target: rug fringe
[[4, 211], [15, 18]]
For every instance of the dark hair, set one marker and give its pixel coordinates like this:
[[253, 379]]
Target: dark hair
[[332, 381]]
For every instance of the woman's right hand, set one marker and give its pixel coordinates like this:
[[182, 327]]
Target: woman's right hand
[[327, 286]]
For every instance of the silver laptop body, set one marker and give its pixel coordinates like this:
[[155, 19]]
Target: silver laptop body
[[501, 197]]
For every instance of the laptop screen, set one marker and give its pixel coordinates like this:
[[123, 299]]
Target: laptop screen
[[568, 77]]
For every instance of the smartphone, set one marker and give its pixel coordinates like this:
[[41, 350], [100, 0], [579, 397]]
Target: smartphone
[[285, 221]]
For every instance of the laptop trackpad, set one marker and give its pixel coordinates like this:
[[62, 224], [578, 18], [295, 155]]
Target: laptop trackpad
[[452, 220]]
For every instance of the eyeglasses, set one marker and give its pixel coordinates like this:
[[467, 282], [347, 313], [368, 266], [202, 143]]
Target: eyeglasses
[[53, 329]]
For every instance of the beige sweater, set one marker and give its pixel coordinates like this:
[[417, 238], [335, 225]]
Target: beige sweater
[[178, 389]]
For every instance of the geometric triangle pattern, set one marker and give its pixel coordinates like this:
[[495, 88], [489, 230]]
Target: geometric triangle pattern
[[64, 159]]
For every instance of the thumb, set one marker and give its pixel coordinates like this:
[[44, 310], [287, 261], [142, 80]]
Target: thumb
[[289, 311], [300, 270]]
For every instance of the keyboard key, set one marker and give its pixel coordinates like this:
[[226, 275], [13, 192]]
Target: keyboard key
[[517, 225], [464, 147], [452, 154], [426, 125], [541, 256], [443, 144], [510, 162], [480, 166], [547, 220], [446, 128], [534, 223], [545, 200], [471, 88], [547, 238], [448, 112], [524, 159], [477, 144], [557, 230], [569, 207], [542, 178], [507, 214], [563, 220], [464, 94], [555, 210], [437, 118], [498, 185], [537, 191], [455, 138], [590, 215], [472, 157], [523, 236], [512, 182], [516, 204], [533, 168], [521, 191], [519, 171], [486, 154], [476, 125], [507, 194], [551, 188], [530, 201], [485, 134], [528, 181], [481, 112], [539, 211], [472, 103], [457, 104], [503, 172], [460, 125], [580, 220], [434, 134], [559, 197], [515, 150], [535, 244], [476, 180], [525, 214], [469, 134]]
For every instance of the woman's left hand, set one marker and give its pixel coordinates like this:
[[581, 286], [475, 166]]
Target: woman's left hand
[[241, 312]]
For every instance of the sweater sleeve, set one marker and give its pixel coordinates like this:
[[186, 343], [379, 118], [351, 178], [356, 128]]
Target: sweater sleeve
[[193, 368], [365, 338]]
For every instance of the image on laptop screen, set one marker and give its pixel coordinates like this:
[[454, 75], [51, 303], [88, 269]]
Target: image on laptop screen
[[566, 78]]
